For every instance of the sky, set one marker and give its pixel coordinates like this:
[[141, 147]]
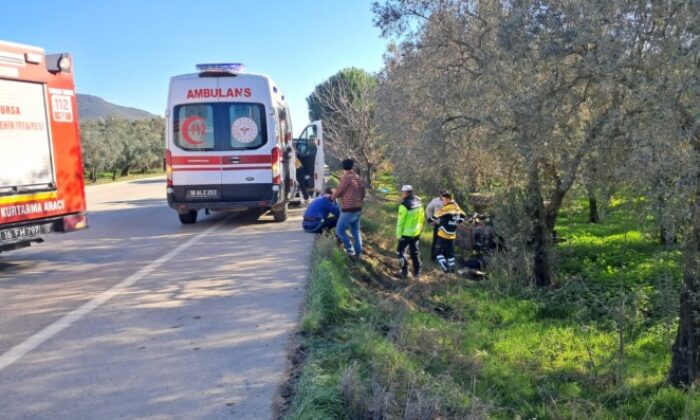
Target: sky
[[125, 51]]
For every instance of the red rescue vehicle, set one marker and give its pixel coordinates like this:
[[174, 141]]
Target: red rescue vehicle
[[41, 171]]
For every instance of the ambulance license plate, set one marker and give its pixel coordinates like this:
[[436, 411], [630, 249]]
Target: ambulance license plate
[[23, 232], [201, 193]]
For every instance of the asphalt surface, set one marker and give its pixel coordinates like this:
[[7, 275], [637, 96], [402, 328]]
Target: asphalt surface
[[141, 317]]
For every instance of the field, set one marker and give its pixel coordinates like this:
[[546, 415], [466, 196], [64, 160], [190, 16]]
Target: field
[[106, 177], [597, 345]]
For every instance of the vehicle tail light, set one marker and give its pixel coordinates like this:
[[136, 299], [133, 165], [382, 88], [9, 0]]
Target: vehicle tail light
[[169, 168], [74, 222], [276, 157]]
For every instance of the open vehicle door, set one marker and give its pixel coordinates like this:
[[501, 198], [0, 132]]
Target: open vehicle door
[[320, 161], [313, 157]]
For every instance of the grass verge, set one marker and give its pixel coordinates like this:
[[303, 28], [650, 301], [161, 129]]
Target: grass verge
[[447, 347], [106, 178]]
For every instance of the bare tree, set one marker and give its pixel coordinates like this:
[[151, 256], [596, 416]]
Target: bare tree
[[346, 104]]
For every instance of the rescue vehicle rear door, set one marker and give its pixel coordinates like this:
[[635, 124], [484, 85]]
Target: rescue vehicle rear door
[[195, 160], [247, 140], [313, 133], [26, 161]]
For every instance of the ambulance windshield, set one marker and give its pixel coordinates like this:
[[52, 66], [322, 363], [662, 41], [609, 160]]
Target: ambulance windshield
[[245, 122], [219, 126], [194, 127]]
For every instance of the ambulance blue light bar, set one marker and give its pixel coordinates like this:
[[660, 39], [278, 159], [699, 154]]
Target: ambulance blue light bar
[[222, 67]]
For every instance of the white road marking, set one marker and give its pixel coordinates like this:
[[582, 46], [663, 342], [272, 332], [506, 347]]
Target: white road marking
[[18, 351]]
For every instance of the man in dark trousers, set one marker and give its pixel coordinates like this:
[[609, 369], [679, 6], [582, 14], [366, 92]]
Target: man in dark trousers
[[448, 218], [322, 214], [409, 225], [434, 205], [302, 179], [351, 192]]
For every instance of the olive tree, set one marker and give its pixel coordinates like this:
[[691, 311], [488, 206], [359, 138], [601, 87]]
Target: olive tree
[[667, 85], [119, 146], [559, 91], [526, 81]]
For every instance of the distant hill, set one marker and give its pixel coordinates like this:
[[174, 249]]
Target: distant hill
[[91, 107]]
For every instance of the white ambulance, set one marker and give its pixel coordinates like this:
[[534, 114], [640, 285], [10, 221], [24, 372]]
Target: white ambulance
[[228, 143]]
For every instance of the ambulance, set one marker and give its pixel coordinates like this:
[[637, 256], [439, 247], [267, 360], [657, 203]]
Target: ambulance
[[228, 143], [41, 169]]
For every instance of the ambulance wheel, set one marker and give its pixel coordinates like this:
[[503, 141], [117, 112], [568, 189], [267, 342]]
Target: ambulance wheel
[[188, 218], [280, 213]]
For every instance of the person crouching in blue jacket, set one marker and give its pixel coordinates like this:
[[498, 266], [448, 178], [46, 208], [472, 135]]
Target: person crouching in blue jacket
[[322, 214]]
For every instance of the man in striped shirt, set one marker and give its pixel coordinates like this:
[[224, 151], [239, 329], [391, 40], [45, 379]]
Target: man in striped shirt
[[351, 192]]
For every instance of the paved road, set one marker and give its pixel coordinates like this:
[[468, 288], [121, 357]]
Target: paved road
[[140, 317]]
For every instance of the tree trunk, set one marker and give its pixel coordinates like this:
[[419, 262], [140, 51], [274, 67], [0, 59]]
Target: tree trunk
[[125, 170], [662, 236], [543, 271], [663, 233], [686, 349], [369, 176], [685, 360], [541, 233], [593, 216]]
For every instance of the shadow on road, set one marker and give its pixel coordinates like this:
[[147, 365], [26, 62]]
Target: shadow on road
[[203, 337], [148, 181]]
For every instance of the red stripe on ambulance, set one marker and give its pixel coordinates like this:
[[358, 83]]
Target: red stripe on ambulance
[[196, 160], [244, 168], [218, 160]]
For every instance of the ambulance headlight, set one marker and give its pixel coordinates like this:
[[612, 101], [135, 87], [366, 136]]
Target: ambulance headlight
[[64, 63]]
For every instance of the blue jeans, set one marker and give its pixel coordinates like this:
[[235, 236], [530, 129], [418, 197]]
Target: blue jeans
[[320, 226], [352, 221]]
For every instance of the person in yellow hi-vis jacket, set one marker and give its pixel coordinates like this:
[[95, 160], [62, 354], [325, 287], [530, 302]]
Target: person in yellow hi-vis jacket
[[409, 226], [447, 218]]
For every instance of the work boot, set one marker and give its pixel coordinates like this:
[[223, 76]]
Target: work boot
[[442, 262]]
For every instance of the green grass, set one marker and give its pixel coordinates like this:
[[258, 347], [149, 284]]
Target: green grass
[[106, 177], [458, 349]]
